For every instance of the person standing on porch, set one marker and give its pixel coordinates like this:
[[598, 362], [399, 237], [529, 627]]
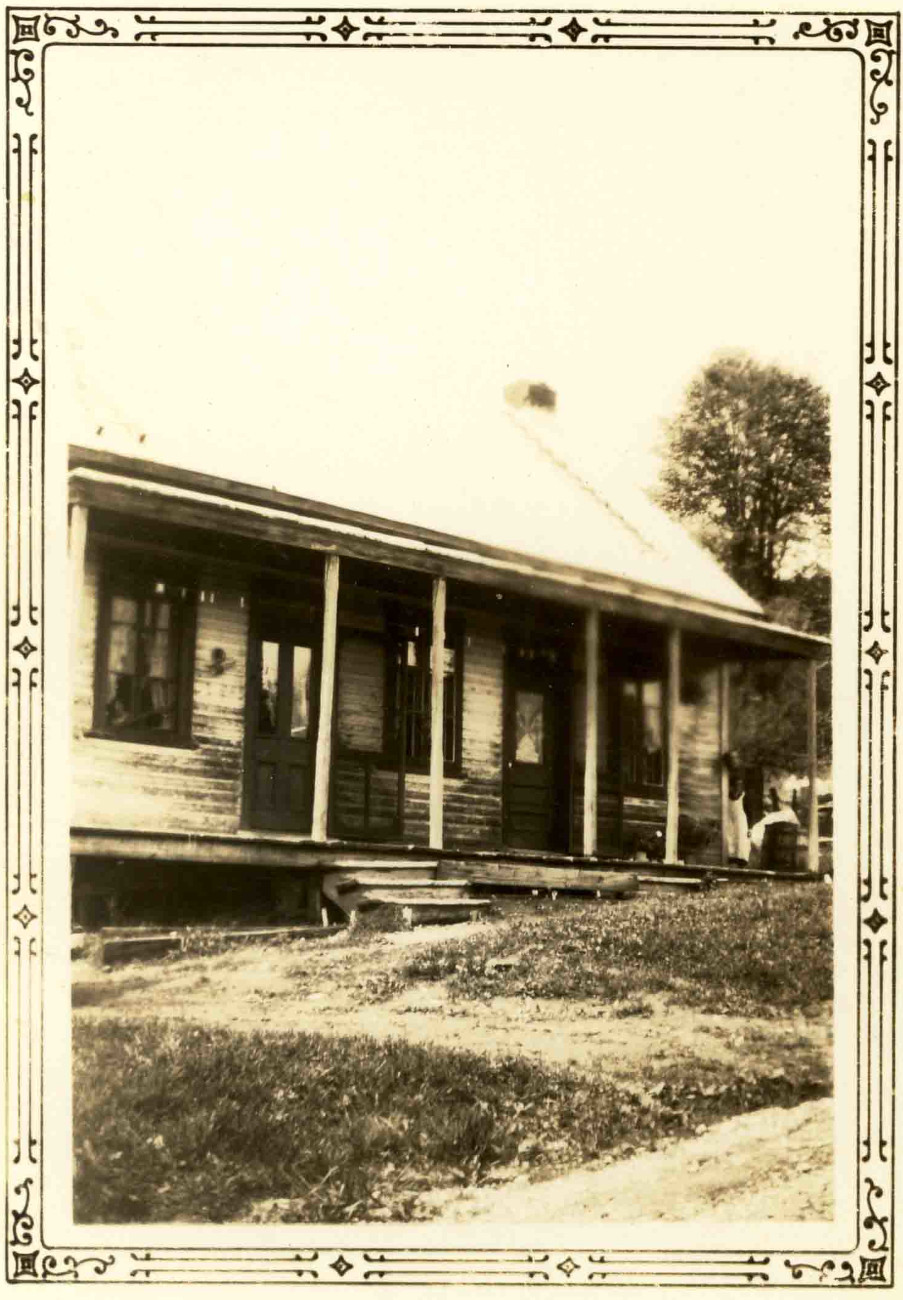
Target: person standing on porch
[[737, 823]]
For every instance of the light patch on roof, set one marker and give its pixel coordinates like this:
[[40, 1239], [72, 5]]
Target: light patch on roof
[[494, 477]]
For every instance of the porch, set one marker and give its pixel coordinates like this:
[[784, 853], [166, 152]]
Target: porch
[[332, 692]]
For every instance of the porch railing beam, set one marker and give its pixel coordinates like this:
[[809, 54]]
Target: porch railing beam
[[673, 717], [437, 714], [724, 745], [812, 761], [591, 764], [320, 826]]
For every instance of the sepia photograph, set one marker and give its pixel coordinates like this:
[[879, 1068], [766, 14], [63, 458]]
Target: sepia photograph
[[467, 522]]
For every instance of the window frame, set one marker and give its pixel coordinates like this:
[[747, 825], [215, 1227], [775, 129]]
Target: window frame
[[396, 638], [135, 581], [638, 675]]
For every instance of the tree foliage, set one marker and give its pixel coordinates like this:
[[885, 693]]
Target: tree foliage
[[769, 697], [747, 465]]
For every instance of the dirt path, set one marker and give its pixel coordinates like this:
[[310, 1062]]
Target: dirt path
[[322, 988], [772, 1164]]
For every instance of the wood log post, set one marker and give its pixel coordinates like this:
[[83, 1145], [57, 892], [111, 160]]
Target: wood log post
[[78, 542], [591, 763], [724, 745], [323, 764], [673, 753], [812, 761], [437, 713]]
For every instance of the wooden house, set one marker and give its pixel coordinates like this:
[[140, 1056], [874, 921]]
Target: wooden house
[[268, 686]]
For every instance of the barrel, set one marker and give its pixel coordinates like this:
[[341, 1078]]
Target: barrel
[[779, 847]]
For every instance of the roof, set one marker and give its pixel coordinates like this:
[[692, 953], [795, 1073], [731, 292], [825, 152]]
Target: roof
[[494, 481]]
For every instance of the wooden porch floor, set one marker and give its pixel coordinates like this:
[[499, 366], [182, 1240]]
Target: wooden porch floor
[[505, 867]]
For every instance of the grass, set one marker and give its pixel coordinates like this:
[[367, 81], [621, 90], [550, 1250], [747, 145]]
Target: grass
[[177, 1122], [744, 950]]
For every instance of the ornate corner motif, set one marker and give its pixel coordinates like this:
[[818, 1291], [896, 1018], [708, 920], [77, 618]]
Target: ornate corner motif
[[834, 29], [22, 74], [871, 1269], [879, 33], [25, 27], [880, 75], [71, 1266], [25, 1264], [72, 27], [872, 1219], [22, 1219], [825, 1271]]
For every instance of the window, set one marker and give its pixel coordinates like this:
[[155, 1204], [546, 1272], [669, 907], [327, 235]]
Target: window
[[642, 731], [145, 648], [410, 697]]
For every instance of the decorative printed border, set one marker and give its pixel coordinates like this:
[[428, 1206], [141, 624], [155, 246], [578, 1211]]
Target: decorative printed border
[[874, 41]]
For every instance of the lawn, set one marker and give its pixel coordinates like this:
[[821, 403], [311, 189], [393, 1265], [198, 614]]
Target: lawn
[[760, 950], [190, 1119]]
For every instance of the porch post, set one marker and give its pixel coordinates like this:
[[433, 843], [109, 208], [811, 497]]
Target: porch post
[[724, 745], [591, 764], [812, 762], [672, 714], [320, 826], [78, 540], [437, 713]]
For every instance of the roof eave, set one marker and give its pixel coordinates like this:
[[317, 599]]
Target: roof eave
[[327, 528]]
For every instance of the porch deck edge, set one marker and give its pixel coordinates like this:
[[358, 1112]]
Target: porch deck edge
[[249, 848]]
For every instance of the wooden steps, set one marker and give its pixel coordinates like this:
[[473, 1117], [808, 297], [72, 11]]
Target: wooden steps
[[425, 898]]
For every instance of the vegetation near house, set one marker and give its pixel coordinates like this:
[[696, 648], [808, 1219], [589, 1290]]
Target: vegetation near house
[[177, 1121], [747, 466], [748, 463]]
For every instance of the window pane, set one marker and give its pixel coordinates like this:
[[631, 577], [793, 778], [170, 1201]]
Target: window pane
[[142, 646], [652, 693], [119, 710], [653, 764], [124, 610], [123, 644], [269, 688], [528, 727], [301, 661], [155, 647]]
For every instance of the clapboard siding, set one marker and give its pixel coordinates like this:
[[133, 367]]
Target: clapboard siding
[[361, 693], [700, 766], [700, 756], [133, 786], [472, 806], [124, 785]]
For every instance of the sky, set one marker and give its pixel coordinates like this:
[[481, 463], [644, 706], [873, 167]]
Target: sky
[[258, 260]]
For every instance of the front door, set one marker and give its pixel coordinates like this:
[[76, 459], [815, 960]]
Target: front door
[[536, 799], [281, 732]]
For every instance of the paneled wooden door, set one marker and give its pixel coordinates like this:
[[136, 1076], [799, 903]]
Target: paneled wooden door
[[536, 797], [283, 681]]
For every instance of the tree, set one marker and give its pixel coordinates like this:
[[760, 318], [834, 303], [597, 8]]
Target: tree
[[769, 697], [747, 465]]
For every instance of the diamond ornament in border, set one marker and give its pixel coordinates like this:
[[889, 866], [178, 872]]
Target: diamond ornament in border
[[874, 41]]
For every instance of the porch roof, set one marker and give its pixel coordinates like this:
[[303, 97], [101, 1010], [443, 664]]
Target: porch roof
[[637, 580]]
